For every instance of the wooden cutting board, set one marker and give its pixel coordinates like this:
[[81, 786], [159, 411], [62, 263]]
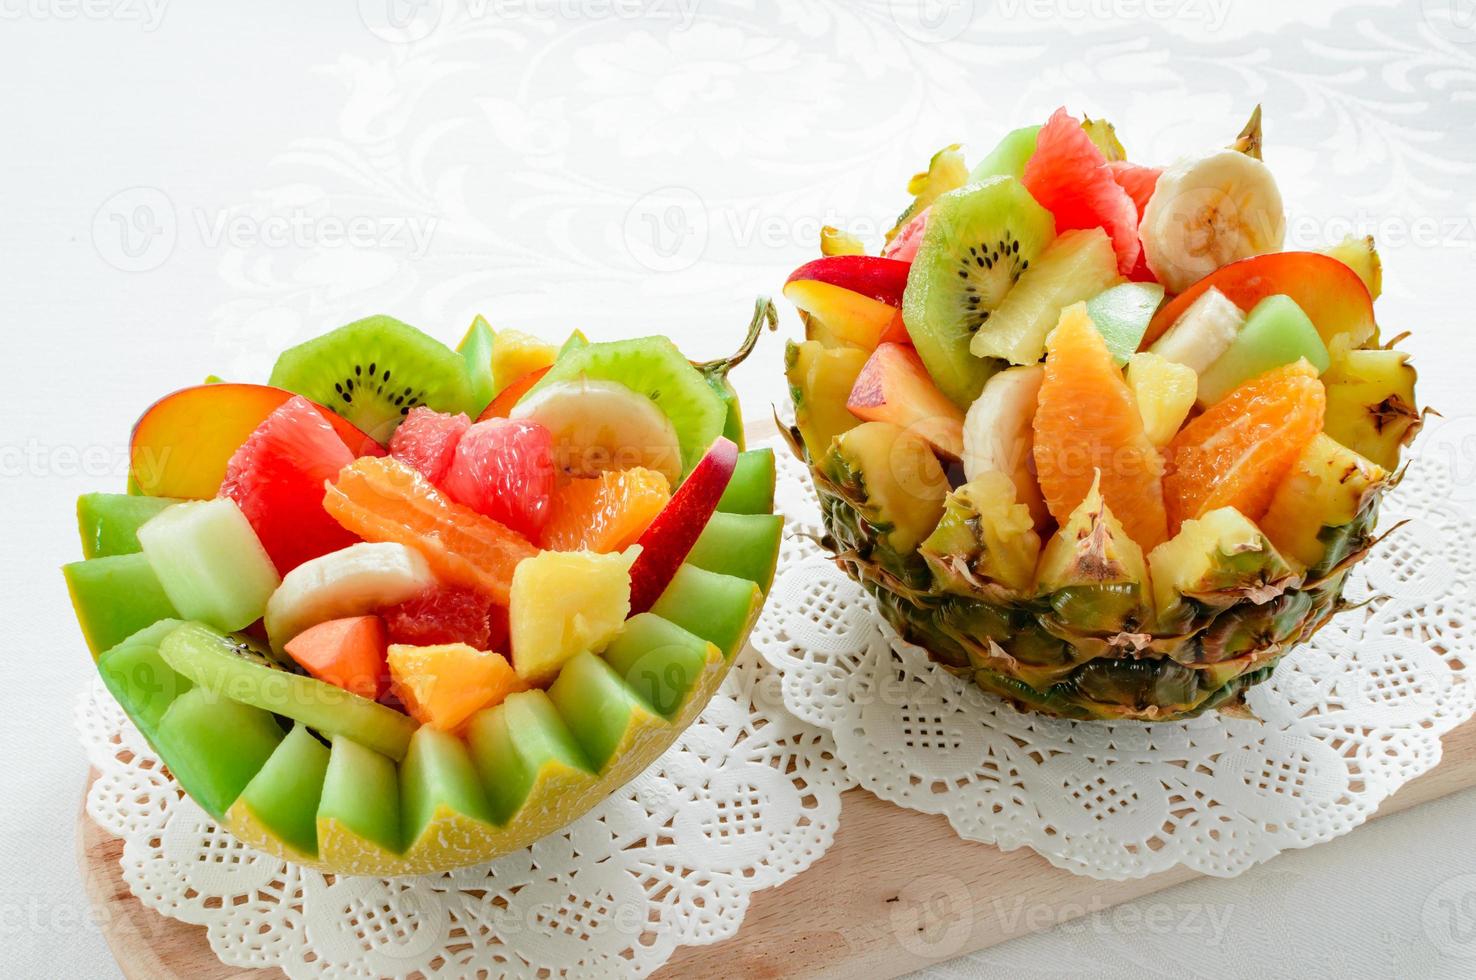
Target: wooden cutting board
[[896, 892]]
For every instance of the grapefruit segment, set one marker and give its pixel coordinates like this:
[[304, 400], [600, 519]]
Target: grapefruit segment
[[277, 477], [1238, 451], [1086, 423], [385, 500], [1070, 178], [448, 614], [426, 441]]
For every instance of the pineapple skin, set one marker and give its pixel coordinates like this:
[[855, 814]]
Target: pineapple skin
[[1085, 649]]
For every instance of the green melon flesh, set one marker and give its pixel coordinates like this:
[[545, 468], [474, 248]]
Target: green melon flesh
[[115, 597], [139, 679], [519, 743], [476, 351], [741, 545], [234, 668], [661, 661], [214, 746], [596, 704], [1121, 315], [210, 563], [1276, 332], [651, 366], [751, 490], [361, 792], [438, 772], [108, 522], [719, 608], [1009, 157], [284, 795]]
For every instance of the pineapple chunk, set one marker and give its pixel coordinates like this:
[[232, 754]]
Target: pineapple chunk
[[834, 241], [1165, 391], [984, 535], [893, 476], [1093, 571], [1360, 255], [1326, 488], [820, 382], [515, 354], [443, 686], [1371, 403], [1219, 559], [564, 603]]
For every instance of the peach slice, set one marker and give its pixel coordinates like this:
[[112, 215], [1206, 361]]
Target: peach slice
[[893, 386], [1330, 293], [183, 443], [851, 300]]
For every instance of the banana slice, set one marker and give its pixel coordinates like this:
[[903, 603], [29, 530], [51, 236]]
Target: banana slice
[[603, 425], [1202, 333], [353, 582], [1208, 211], [999, 433]]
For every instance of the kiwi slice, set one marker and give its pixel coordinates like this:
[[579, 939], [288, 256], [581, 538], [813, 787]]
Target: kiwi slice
[[374, 371], [978, 240], [651, 366]]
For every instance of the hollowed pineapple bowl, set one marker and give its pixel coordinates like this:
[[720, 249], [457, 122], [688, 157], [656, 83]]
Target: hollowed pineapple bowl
[[373, 636], [1084, 429]]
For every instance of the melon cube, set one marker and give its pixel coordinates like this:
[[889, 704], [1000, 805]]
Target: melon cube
[[443, 686], [563, 604], [210, 563]]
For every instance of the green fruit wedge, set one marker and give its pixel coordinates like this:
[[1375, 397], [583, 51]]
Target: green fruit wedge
[[978, 241], [1009, 157], [114, 598], [235, 668], [751, 489], [108, 522]]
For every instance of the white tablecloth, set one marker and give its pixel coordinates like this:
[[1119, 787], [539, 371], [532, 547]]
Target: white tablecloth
[[179, 180]]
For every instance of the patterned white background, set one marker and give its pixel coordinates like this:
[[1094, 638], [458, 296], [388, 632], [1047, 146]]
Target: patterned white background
[[179, 179]]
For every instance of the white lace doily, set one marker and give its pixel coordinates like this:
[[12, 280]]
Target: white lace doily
[[747, 798], [1347, 719]]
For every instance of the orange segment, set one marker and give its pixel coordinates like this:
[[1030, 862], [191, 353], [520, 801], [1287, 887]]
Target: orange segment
[[1087, 421], [385, 500], [1236, 453], [605, 513]]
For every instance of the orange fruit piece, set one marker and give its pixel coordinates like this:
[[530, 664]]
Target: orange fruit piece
[[384, 500], [1238, 451], [1086, 421], [605, 513], [444, 686]]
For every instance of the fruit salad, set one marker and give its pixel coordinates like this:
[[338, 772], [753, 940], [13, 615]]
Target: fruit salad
[[1088, 431], [406, 608]]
